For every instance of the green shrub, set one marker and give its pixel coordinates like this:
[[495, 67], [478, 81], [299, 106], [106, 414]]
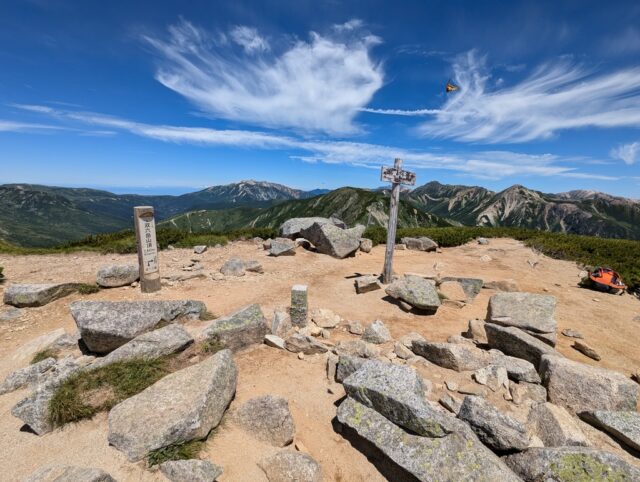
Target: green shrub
[[1, 275], [89, 392], [87, 288], [43, 355], [179, 451]]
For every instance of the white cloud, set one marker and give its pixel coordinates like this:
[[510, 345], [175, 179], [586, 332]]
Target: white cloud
[[401, 112], [317, 85], [483, 164], [11, 126], [629, 153], [249, 39]]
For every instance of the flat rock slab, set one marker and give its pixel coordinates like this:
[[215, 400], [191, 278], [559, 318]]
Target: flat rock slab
[[332, 240], [267, 418], [11, 313], [154, 344], [471, 286], [107, 325], [571, 464], [580, 388], [298, 343], [527, 311], [282, 247], [398, 393], [586, 350], [69, 473], [518, 343], [245, 327], [624, 426], [190, 470], [456, 457], [495, 429], [454, 356], [364, 284], [420, 244], [116, 275], [26, 375], [29, 295], [183, 406], [288, 466], [555, 426], [417, 291]]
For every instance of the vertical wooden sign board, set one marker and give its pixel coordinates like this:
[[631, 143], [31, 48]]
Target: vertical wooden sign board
[[145, 225], [396, 176]]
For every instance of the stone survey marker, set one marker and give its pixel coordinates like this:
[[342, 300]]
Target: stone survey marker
[[145, 225], [396, 176]]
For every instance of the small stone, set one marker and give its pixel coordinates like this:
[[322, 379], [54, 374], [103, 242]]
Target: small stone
[[199, 249], [233, 267], [586, 350], [357, 348], [69, 473], [325, 318], [298, 343], [332, 366], [493, 376], [451, 385], [482, 241], [355, 328], [376, 333], [116, 275], [300, 356], [190, 470], [402, 351], [476, 331], [268, 419], [288, 466], [485, 258], [366, 245], [274, 341], [364, 284], [408, 339], [281, 323], [400, 247], [568, 332], [253, 266], [282, 247], [507, 285]]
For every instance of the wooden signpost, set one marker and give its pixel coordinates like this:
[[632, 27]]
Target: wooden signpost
[[396, 176], [145, 225]]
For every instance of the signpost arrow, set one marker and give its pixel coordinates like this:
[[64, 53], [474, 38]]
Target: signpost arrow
[[396, 176]]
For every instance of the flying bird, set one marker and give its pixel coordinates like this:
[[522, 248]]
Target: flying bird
[[451, 87]]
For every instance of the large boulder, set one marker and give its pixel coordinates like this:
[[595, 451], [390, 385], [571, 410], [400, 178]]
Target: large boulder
[[288, 466], [398, 393], [518, 343], [154, 344], [69, 473], [34, 410], [579, 387], [456, 457], [267, 418], [332, 240], [571, 464], [190, 470], [24, 376], [282, 247], [555, 426], [183, 406], [420, 244], [527, 311], [455, 356], [292, 228], [245, 327], [106, 325], [417, 291], [115, 275], [624, 426], [496, 430], [28, 295]]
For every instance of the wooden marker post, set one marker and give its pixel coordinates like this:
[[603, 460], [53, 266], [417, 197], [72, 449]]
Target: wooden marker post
[[145, 225], [397, 177]]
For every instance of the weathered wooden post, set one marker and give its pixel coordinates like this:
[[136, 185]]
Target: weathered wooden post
[[145, 225], [396, 176]]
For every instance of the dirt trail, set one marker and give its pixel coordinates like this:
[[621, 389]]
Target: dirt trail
[[607, 325]]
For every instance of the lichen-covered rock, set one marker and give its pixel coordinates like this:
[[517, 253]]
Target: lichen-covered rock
[[332, 240], [455, 356], [493, 376], [34, 410], [417, 291], [288, 466], [69, 473], [456, 457], [364, 284], [398, 393], [623, 426], [366, 245], [245, 327], [28, 295], [267, 418], [24, 376], [420, 244], [292, 228], [190, 470], [580, 388], [571, 464], [348, 365], [106, 325], [180, 407], [298, 343], [518, 343], [555, 426], [282, 247], [376, 332], [527, 311], [495, 429], [154, 344], [116, 275], [233, 267]]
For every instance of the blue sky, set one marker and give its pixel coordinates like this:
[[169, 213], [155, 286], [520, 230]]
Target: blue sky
[[174, 96]]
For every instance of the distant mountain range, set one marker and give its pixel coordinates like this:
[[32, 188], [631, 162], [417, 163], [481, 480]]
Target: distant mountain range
[[33, 215]]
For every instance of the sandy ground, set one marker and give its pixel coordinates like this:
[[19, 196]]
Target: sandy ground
[[605, 320]]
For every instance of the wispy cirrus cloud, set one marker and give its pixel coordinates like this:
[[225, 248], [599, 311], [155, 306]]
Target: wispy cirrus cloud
[[12, 126], [482, 164], [629, 153], [315, 85]]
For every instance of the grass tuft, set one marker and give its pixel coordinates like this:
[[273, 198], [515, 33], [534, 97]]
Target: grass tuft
[[88, 288], [43, 355], [178, 451], [208, 316], [1, 275], [89, 392], [211, 346]]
